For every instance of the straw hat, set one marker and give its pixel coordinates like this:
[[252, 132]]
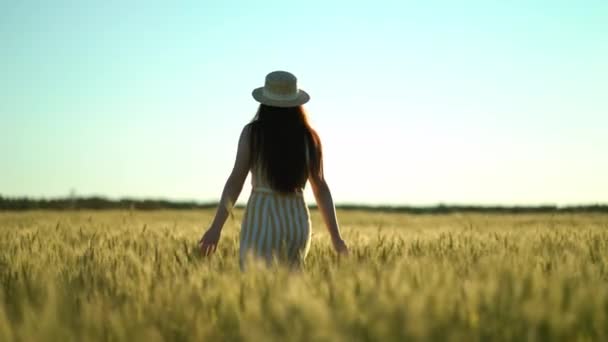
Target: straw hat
[[280, 90]]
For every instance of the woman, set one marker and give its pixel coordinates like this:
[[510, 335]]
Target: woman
[[282, 152]]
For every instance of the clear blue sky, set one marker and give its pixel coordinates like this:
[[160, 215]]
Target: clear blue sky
[[488, 102]]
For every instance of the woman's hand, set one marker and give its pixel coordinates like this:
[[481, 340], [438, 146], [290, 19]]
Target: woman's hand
[[340, 247], [208, 243]]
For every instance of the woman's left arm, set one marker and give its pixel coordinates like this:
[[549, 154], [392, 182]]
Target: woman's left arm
[[232, 190]]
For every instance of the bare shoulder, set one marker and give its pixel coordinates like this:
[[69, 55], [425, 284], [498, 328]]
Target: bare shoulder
[[241, 165], [245, 134]]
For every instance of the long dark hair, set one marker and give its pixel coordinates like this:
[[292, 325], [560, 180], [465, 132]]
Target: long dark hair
[[280, 141]]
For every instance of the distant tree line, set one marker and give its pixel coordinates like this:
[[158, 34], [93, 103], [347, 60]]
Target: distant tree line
[[96, 203], [449, 209], [102, 203]]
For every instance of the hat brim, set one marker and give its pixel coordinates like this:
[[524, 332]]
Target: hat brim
[[258, 95]]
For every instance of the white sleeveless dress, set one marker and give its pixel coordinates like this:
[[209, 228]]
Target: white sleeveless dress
[[275, 225]]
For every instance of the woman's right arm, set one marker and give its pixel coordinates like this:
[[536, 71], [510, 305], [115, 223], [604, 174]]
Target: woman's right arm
[[232, 189], [326, 206]]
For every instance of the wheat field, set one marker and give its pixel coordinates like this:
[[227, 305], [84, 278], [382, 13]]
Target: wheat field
[[135, 276]]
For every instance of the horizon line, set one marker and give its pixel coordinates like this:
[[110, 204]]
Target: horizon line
[[342, 205]]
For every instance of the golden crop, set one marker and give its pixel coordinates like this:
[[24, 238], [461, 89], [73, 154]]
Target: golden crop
[[134, 275]]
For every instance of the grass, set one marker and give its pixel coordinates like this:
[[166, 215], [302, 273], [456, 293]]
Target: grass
[[130, 275]]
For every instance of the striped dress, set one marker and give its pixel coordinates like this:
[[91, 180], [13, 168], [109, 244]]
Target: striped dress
[[274, 225]]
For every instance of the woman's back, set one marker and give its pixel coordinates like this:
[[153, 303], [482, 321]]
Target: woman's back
[[276, 223], [283, 147]]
